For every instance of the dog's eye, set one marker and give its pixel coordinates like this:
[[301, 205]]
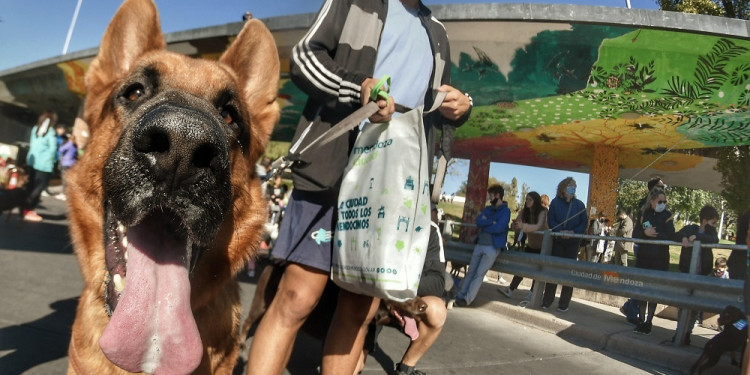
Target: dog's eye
[[226, 115], [134, 93]]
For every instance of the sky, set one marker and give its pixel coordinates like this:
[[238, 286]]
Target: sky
[[33, 30]]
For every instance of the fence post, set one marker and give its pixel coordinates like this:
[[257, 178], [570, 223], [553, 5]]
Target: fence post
[[538, 292], [683, 315]]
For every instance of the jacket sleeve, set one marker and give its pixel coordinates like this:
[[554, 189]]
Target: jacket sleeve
[[627, 228], [684, 232], [583, 218], [552, 220], [667, 230], [708, 237], [446, 80], [499, 221], [312, 67], [485, 218]]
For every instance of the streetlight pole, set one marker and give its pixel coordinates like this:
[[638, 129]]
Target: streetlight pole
[[72, 26], [627, 3]]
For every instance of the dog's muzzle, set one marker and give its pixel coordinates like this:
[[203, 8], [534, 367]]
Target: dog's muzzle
[[167, 189]]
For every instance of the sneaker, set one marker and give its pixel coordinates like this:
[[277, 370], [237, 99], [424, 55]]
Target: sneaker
[[461, 303], [61, 197], [643, 328], [562, 309], [402, 369], [505, 291], [501, 280], [450, 304], [622, 311], [545, 307], [32, 216]]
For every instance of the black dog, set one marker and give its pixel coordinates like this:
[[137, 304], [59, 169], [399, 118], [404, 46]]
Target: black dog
[[12, 198], [732, 338]]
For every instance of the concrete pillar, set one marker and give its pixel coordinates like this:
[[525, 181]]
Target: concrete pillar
[[605, 169], [476, 196]]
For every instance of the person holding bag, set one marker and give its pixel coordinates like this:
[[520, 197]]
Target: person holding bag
[[337, 63]]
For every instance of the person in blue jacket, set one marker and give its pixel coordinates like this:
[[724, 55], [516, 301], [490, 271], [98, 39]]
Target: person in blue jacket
[[40, 162], [567, 214], [492, 239]]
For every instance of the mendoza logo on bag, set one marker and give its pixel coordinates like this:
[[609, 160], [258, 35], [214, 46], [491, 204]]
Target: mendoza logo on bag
[[368, 149]]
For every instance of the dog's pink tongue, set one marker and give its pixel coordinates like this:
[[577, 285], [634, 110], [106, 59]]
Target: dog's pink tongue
[[152, 329]]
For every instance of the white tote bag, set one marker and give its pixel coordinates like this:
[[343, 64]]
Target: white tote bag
[[384, 211]]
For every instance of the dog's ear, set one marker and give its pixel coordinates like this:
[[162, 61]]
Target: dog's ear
[[133, 31], [255, 59]]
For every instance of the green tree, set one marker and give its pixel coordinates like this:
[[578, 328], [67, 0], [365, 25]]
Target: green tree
[[734, 165], [525, 188], [724, 8], [629, 194]]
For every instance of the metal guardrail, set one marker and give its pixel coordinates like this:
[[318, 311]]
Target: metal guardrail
[[686, 291]]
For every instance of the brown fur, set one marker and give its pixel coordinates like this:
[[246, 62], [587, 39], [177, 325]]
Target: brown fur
[[250, 67]]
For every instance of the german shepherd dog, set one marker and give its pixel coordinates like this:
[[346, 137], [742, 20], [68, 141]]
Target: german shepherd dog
[[165, 205], [732, 338]]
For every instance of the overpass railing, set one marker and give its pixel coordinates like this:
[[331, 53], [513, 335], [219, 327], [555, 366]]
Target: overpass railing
[[687, 291]]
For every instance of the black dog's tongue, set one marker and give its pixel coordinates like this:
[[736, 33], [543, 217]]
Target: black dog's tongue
[[152, 329]]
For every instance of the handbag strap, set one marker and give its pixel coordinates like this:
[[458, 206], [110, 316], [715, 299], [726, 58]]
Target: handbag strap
[[344, 126]]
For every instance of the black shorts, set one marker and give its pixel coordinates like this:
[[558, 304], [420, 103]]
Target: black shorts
[[306, 233]]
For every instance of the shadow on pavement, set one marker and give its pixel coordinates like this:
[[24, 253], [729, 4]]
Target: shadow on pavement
[[46, 237], [40, 341]]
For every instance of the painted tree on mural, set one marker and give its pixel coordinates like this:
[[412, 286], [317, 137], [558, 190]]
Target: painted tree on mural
[[555, 62]]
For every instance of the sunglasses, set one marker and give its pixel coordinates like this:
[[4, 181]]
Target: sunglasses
[[662, 202]]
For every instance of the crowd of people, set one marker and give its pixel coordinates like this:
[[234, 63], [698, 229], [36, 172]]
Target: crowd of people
[[566, 214], [52, 151]]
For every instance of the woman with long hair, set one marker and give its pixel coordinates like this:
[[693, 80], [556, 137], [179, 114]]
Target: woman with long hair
[[532, 218], [567, 215], [656, 224]]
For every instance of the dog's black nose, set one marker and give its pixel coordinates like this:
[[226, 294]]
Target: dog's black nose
[[181, 144]]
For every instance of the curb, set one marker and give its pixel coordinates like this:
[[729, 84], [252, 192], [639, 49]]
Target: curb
[[606, 333]]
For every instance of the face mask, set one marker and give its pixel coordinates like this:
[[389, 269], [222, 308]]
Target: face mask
[[493, 201], [660, 207], [571, 190]]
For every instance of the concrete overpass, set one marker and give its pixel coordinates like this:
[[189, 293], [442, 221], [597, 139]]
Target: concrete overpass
[[608, 91]]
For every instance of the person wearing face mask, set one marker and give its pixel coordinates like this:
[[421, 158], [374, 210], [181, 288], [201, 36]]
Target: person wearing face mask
[[705, 233], [567, 214], [491, 240], [656, 223]]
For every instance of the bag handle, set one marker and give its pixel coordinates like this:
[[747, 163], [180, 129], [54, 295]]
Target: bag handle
[[347, 124]]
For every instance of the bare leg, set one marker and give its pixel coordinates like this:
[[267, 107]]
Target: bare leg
[[429, 330], [346, 336], [299, 291]]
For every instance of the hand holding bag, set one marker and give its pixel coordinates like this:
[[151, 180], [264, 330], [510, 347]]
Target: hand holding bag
[[384, 210]]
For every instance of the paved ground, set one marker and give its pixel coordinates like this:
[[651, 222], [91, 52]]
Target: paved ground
[[39, 284]]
